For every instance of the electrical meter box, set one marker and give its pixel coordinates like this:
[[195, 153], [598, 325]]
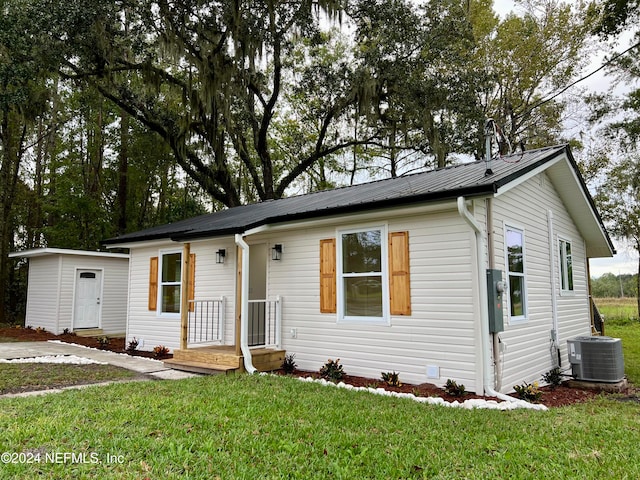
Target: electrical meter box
[[495, 290]]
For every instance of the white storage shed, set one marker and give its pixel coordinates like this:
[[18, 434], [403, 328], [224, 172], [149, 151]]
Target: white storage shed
[[77, 291]]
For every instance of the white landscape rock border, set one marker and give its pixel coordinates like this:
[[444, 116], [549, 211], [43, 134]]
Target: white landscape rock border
[[66, 359], [470, 404]]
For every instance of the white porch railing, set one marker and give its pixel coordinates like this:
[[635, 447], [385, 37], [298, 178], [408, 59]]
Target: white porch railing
[[265, 320], [206, 321]]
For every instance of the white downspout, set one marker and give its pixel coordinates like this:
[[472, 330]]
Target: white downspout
[[554, 293], [244, 306], [484, 305]]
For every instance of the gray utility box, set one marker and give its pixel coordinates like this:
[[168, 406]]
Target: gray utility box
[[596, 359], [495, 294]]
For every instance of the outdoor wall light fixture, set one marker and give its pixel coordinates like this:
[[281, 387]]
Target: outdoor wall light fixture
[[220, 254], [276, 252]]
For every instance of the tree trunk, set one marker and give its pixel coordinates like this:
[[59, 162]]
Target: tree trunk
[[12, 134], [123, 175]]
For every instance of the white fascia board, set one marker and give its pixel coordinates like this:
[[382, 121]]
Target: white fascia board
[[40, 252]]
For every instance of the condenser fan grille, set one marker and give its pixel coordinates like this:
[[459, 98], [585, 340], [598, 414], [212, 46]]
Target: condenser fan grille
[[596, 359]]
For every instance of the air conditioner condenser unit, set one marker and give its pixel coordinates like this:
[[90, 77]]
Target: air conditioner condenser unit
[[596, 359]]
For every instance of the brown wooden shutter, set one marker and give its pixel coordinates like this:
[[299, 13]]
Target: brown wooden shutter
[[328, 275], [399, 286], [153, 283], [192, 280]]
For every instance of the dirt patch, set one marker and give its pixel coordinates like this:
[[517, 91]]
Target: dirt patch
[[37, 335]]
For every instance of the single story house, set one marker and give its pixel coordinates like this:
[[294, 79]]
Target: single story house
[[77, 291], [474, 272]]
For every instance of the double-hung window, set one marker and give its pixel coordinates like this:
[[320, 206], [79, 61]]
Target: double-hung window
[[362, 287], [566, 267], [514, 242], [170, 282]]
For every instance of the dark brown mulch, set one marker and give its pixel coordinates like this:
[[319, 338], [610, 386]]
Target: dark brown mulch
[[559, 396], [35, 335]]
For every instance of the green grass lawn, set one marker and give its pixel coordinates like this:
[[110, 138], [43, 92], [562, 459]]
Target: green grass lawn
[[618, 309], [22, 377], [272, 427]]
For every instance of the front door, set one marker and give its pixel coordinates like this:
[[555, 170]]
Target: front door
[[257, 293], [86, 311]]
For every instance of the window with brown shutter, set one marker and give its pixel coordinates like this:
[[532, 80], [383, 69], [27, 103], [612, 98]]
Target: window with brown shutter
[[153, 283], [399, 285], [328, 275]]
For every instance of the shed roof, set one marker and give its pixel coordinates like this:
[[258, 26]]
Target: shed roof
[[41, 252], [447, 183]]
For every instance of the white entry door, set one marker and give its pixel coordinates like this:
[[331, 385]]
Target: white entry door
[[86, 312]]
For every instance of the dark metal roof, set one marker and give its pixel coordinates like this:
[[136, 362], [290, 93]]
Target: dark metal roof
[[466, 179]]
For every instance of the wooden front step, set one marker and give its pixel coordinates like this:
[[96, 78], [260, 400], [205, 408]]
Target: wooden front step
[[224, 358], [198, 367], [89, 332]]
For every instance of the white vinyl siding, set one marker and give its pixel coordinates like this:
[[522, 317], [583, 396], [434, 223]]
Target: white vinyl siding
[[440, 331], [527, 355], [212, 281], [51, 290]]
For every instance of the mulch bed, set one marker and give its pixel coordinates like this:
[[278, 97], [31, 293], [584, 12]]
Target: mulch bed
[[551, 397], [34, 335], [559, 396]]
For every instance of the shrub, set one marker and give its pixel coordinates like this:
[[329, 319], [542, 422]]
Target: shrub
[[132, 346], [160, 351], [289, 364], [41, 330], [391, 378], [528, 391], [553, 377], [454, 389], [103, 342], [332, 371]]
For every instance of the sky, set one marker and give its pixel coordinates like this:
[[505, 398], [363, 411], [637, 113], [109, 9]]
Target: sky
[[626, 260]]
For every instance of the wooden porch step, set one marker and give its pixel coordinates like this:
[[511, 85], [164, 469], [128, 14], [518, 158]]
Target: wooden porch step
[[198, 367], [89, 332], [224, 358]]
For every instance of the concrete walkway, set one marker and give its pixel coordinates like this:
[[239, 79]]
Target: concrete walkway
[[153, 369]]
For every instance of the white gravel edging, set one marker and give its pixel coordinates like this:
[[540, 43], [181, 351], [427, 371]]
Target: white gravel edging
[[470, 404], [66, 359]]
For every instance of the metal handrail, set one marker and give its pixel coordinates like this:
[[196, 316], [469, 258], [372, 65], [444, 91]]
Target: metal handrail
[[206, 321]]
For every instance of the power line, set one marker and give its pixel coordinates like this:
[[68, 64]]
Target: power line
[[581, 79]]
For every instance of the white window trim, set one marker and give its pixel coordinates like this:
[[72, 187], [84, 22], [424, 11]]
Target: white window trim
[[161, 284], [384, 240], [565, 292], [519, 319]]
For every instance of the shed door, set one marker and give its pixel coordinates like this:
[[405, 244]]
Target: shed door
[[86, 311]]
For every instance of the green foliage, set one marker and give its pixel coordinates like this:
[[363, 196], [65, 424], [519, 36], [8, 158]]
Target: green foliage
[[528, 391], [289, 363], [391, 378], [103, 341], [453, 388], [610, 285], [332, 370], [553, 377], [132, 346]]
